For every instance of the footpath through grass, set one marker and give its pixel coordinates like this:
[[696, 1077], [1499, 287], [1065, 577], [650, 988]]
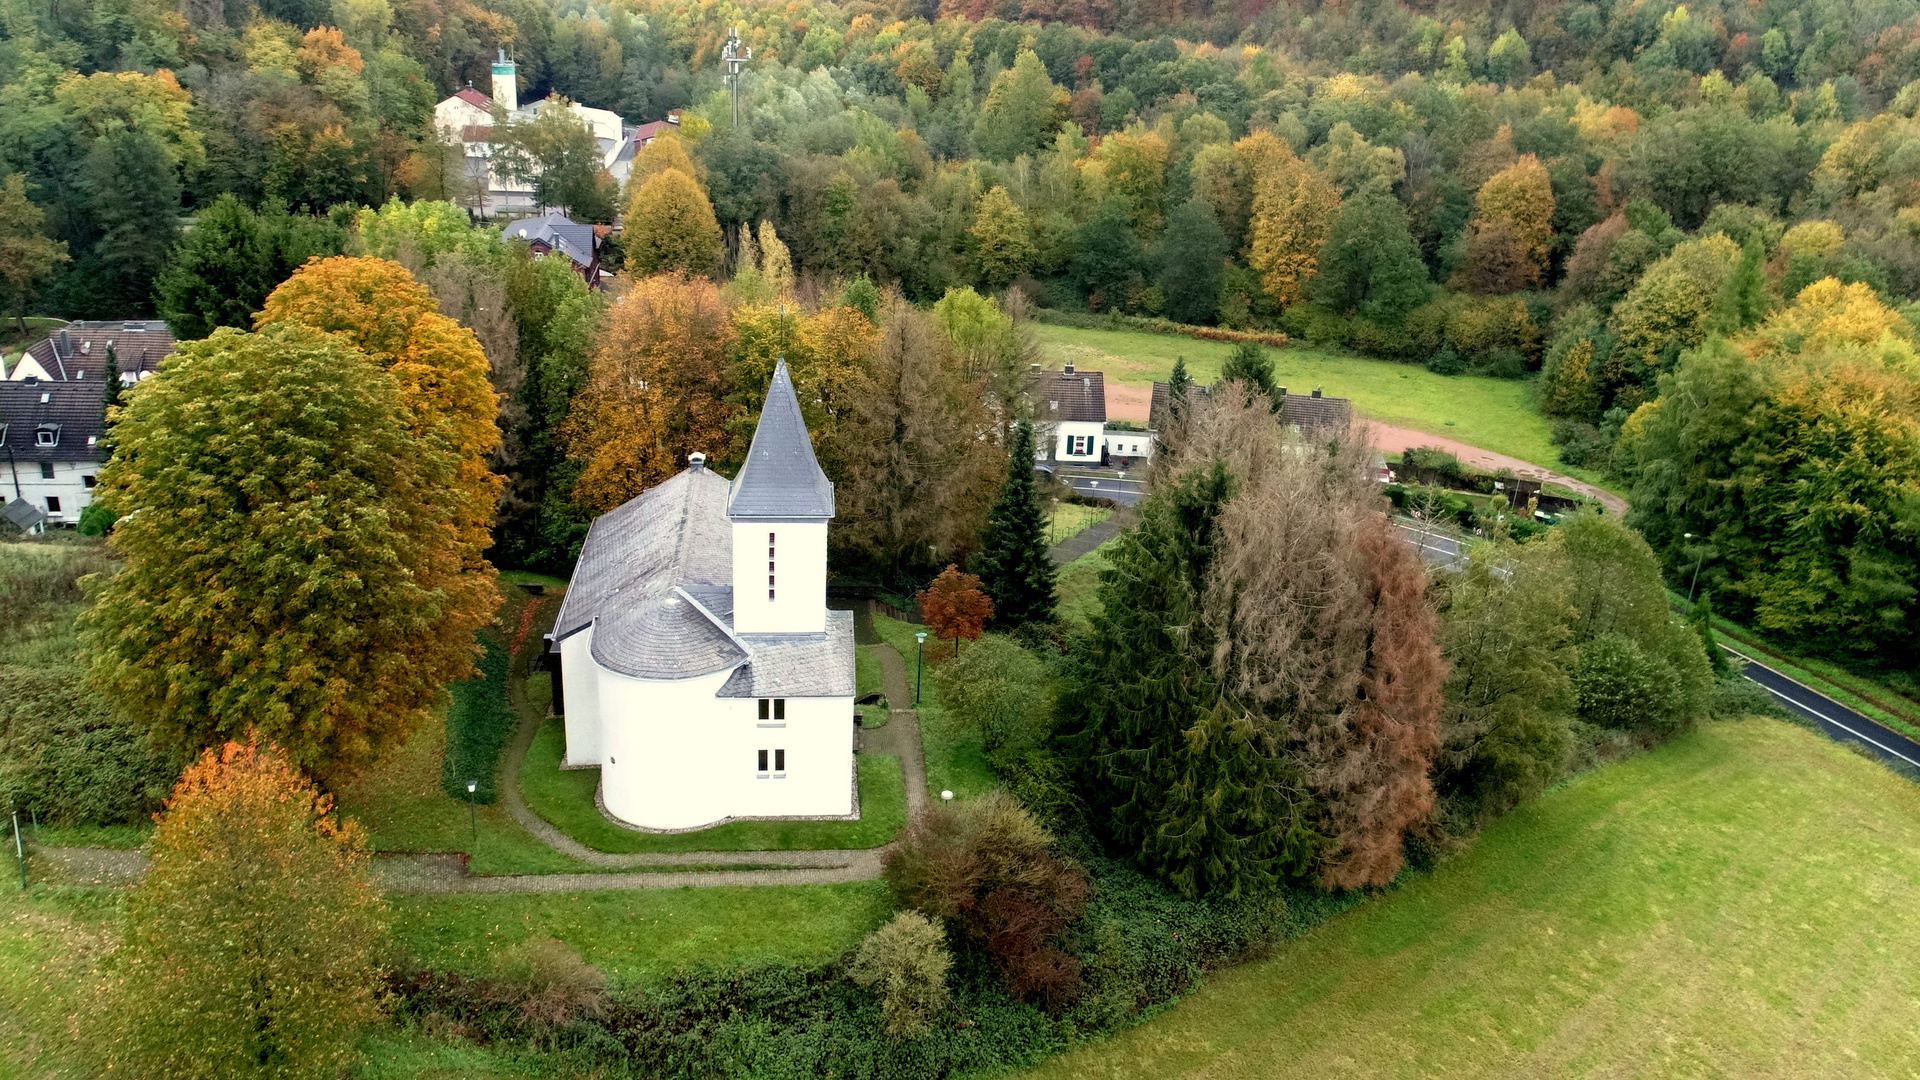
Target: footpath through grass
[[1494, 414], [956, 756], [1739, 903]]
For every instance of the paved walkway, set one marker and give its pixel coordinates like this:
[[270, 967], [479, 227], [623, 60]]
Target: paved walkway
[[447, 873], [1091, 537]]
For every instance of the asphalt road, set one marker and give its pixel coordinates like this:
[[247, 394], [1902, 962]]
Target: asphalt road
[[1126, 491], [1837, 720]]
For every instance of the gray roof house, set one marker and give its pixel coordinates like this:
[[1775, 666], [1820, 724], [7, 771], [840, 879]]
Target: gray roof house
[[77, 352], [684, 682], [1312, 413], [52, 444]]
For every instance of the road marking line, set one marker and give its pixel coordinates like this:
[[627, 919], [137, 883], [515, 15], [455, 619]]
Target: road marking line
[[1817, 713]]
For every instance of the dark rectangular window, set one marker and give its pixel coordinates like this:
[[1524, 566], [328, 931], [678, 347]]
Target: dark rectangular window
[[53, 505], [86, 481], [769, 538], [769, 566], [769, 594], [769, 579], [763, 761], [779, 708], [779, 761], [764, 703], [46, 470]]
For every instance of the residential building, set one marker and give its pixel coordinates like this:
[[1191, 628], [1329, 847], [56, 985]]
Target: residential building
[[701, 694], [77, 352], [50, 435], [1069, 415], [21, 516], [1309, 414], [1125, 447], [467, 118], [556, 232]]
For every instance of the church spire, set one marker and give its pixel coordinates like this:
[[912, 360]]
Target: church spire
[[781, 480]]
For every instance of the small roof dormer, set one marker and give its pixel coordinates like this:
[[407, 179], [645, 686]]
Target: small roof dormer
[[781, 480]]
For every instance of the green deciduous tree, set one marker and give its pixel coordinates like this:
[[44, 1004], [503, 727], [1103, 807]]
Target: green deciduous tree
[[671, 227], [1370, 265], [1002, 241], [1013, 561], [280, 525], [1192, 259], [253, 941], [27, 256], [1022, 111]]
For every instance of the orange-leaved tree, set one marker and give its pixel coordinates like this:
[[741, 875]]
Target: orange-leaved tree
[[446, 389], [656, 390], [1512, 228], [955, 606], [252, 943]]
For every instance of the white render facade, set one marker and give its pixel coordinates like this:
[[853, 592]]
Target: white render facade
[[703, 687]]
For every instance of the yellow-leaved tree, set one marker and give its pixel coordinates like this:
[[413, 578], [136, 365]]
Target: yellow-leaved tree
[[823, 351], [670, 226], [657, 390], [1512, 228], [1001, 238], [1293, 209]]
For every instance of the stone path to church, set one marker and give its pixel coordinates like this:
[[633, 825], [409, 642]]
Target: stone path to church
[[645, 870]]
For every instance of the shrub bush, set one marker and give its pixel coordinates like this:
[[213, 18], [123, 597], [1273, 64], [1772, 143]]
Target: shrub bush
[[1735, 696], [480, 723], [906, 963], [987, 868], [1618, 686], [1446, 362], [997, 688]]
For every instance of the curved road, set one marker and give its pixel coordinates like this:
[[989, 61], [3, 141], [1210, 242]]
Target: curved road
[[1395, 440]]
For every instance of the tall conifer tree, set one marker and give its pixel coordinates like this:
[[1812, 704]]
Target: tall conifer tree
[[1014, 565], [1177, 384]]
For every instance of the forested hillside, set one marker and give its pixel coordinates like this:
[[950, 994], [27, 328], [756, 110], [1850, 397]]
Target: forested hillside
[[1591, 193]]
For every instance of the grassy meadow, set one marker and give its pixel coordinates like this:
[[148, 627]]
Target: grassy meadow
[[1494, 414], [1738, 903]]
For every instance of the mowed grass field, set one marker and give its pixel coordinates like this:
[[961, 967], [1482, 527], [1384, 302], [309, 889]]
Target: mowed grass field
[[1744, 902], [1494, 414]]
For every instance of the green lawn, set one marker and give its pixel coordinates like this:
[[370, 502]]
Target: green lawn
[[956, 761], [1494, 414], [565, 798], [868, 680], [1076, 590], [1740, 903], [646, 932], [1067, 520], [401, 803]]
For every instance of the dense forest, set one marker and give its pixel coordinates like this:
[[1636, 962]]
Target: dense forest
[[1614, 201]]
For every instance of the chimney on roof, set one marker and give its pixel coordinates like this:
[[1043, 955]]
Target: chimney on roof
[[1316, 391], [1283, 393], [697, 461], [66, 342], [1069, 367], [1035, 368]]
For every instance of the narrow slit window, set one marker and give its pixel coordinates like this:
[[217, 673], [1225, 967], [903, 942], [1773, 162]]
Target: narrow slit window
[[769, 594]]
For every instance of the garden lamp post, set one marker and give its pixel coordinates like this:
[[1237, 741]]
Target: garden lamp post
[[473, 816], [919, 668], [1696, 568], [20, 850]]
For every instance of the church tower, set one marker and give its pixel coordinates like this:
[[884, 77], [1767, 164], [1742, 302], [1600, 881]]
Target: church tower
[[779, 507]]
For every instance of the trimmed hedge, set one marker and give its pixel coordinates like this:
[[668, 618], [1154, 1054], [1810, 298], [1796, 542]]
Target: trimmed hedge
[[1142, 946], [480, 723]]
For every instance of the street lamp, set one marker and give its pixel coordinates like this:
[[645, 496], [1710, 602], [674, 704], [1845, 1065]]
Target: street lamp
[[473, 818], [919, 668], [1696, 568]]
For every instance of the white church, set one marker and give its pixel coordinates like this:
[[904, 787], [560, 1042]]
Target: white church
[[702, 692]]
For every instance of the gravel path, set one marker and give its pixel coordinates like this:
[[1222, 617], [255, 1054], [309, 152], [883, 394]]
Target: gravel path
[[1091, 537]]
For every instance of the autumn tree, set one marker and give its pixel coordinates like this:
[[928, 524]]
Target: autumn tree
[[253, 941], [1014, 563], [446, 390], [671, 227], [1512, 228], [657, 391], [1022, 111], [285, 536], [775, 260], [954, 606], [1001, 239], [1293, 210], [922, 452], [824, 350], [27, 256]]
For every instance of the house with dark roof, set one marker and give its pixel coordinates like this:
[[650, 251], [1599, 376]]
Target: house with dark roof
[[702, 692], [77, 352], [577, 241], [1069, 414], [50, 444], [1309, 414]]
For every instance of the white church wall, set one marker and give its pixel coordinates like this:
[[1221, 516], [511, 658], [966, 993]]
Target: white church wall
[[580, 686], [677, 757], [799, 603]]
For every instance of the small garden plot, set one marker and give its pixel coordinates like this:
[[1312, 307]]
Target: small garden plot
[[565, 798]]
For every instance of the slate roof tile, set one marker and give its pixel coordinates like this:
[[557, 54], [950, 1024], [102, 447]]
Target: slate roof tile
[[781, 480]]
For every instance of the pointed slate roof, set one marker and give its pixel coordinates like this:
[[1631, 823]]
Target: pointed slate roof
[[781, 480]]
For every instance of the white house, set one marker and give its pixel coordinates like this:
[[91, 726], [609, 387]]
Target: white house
[[50, 448], [1127, 445], [701, 693], [467, 118], [1069, 415]]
